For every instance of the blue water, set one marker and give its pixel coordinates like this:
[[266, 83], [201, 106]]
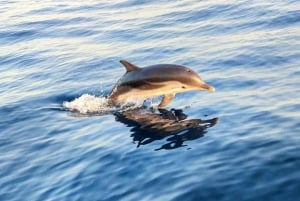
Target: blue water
[[59, 59]]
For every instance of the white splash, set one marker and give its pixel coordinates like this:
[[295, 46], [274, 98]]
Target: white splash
[[87, 103], [90, 104]]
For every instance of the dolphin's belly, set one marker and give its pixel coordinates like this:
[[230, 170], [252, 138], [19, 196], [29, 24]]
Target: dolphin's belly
[[147, 91]]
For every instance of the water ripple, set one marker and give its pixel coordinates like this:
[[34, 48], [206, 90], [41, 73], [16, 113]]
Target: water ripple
[[239, 143]]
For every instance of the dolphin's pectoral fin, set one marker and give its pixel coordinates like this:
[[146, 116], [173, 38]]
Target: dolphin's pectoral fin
[[166, 100], [129, 67]]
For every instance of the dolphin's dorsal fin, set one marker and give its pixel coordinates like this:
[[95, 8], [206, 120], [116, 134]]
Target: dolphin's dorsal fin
[[166, 100], [129, 67]]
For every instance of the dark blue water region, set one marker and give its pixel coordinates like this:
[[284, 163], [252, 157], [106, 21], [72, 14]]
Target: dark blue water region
[[238, 143]]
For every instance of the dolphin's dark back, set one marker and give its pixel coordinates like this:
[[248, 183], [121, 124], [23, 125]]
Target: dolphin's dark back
[[160, 73]]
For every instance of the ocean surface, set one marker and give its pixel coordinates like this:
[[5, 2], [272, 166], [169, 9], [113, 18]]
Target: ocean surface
[[60, 141]]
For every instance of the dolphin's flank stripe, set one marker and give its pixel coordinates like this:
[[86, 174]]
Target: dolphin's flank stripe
[[143, 85]]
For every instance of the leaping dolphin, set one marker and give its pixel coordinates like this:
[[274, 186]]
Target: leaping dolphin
[[156, 80]]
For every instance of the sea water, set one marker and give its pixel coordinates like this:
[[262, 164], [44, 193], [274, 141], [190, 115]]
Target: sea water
[[60, 141]]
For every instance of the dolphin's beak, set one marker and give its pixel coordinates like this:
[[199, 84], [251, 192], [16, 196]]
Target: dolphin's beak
[[207, 87]]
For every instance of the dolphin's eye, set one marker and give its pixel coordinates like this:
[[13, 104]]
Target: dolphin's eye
[[187, 70]]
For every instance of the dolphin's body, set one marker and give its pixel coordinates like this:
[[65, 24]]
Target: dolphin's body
[[156, 80]]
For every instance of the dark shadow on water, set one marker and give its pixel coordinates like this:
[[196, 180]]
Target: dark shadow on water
[[170, 126]]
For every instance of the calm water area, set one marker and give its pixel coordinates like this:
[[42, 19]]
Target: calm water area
[[60, 59]]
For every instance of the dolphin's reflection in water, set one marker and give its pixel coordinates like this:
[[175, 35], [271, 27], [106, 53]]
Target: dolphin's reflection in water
[[149, 126]]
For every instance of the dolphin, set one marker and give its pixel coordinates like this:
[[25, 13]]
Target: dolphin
[[155, 80]]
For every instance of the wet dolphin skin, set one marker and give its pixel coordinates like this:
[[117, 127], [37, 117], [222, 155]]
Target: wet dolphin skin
[[156, 80]]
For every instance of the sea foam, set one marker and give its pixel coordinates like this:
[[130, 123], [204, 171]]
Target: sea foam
[[91, 104]]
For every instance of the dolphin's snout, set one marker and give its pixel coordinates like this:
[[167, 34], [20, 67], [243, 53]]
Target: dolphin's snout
[[211, 88], [208, 87]]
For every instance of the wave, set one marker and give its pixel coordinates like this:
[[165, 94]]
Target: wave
[[91, 104]]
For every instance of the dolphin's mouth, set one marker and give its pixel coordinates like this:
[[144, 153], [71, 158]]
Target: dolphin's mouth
[[208, 87]]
